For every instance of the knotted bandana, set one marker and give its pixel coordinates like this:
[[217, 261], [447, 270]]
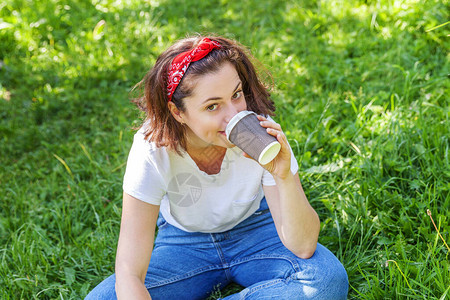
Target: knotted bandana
[[181, 63]]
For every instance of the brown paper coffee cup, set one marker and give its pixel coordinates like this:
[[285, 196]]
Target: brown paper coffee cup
[[245, 131]]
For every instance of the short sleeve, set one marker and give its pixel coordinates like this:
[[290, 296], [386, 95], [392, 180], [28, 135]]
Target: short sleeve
[[142, 179]]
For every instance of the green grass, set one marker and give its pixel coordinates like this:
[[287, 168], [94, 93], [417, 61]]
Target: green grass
[[362, 91]]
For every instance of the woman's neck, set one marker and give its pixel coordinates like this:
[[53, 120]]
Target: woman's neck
[[208, 159]]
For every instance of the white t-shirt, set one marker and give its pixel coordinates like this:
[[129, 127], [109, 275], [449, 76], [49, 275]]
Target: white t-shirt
[[189, 198]]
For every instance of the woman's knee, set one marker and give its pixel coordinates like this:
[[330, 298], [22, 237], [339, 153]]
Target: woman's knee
[[323, 276], [323, 284], [336, 282], [105, 290]]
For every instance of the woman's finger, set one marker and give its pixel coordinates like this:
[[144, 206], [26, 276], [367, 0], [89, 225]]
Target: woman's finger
[[267, 123]]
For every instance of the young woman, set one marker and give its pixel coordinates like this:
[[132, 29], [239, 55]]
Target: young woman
[[221, 216]]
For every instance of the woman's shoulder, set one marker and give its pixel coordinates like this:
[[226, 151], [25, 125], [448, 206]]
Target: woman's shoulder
[[144, 142], [144, 147]]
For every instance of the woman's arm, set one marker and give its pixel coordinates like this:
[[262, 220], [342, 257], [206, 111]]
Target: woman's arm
[[297, 223], [137, 233]]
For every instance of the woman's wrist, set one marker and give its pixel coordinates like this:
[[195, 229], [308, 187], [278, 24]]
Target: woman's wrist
[[283, 176]]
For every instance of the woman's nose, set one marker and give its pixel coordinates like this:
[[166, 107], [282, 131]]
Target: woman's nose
[[231, 112]]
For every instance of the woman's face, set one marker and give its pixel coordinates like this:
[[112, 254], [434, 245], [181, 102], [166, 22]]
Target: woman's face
[[215, 99]]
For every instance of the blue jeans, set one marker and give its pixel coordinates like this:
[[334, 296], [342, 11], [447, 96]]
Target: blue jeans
[[192, 265]]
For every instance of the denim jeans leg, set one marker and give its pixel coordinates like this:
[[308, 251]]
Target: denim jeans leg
[[269, 270], [320, 277], [105, 290], [191, 265], [183, 265]]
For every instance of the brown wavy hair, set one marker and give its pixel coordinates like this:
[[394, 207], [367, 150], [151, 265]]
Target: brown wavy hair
[[160, 126]]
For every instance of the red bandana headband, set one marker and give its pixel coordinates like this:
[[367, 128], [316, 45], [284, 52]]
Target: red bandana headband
[[181, 63]]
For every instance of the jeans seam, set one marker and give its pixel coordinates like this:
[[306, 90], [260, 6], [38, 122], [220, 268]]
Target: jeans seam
[[225, 265], [293, 263], [183, 276], [261, 286]]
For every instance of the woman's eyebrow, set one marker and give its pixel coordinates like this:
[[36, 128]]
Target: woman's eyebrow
[[218, 98]]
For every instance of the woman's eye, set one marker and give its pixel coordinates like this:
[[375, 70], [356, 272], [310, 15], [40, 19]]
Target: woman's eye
[[237, 95], [212, 107]]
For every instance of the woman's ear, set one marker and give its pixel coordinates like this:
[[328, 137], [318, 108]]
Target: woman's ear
[[176, 113]]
